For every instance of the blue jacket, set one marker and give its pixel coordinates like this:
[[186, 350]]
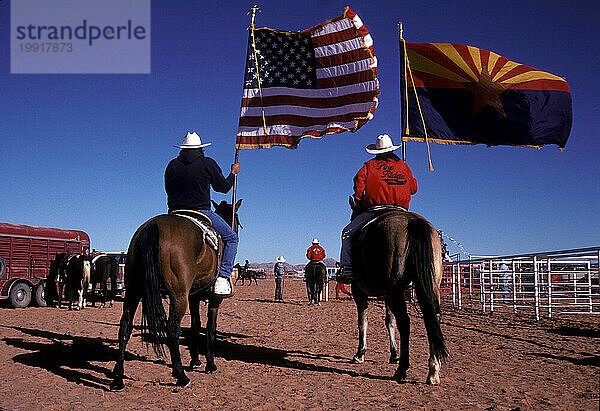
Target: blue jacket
[[188, 179], [279, 271]]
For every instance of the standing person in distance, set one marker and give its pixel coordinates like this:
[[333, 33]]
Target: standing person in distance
[[279, 272]]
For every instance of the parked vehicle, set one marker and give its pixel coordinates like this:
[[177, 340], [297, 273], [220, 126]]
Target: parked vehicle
[[25, 256]]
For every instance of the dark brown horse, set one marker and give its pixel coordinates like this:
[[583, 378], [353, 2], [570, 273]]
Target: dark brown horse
[[390, 252], [104, 268], [246, 274], [56, 271], [168, 255], [315, 275]]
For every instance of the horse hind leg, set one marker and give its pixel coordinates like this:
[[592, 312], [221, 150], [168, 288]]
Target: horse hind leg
[[319, 294], [177, 309], [194, 303], [390, 323], [104, 294], [361, 306], [211, 333], [125, 328], [398, 310]]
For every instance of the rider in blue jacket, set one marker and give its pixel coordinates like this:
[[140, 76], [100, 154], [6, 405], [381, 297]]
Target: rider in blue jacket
[[188, 179]]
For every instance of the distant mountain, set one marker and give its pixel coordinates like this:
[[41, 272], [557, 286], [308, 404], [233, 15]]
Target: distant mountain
[[329, 262]]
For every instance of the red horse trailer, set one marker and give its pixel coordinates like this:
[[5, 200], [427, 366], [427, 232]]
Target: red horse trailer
[[25, 256]]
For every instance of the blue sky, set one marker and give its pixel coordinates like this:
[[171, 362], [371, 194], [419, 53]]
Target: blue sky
[[88, 151]]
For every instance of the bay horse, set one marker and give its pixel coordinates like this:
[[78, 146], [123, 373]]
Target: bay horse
[[246, 274], [392, 250], [104, 268], [315, 274], [169, 255]]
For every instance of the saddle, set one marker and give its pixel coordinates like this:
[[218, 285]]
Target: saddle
[[311, 263], [209, 235], [377, 211], [203, 222]]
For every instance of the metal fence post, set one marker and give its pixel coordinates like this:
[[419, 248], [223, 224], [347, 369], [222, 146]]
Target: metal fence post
[[536, 291], [470, 282], [453, 288], [514, 286], [589, 276], [459, 288], [482, 287], [491, 288], [549, 289]]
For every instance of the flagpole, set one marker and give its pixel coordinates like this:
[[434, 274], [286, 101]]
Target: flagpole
[[400, 38], [252, 11], [237, 155]]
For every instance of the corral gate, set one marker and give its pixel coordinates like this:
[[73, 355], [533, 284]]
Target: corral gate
[[543, 284]]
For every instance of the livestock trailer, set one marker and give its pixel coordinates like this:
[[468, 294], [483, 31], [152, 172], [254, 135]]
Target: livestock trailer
[[25, 256]]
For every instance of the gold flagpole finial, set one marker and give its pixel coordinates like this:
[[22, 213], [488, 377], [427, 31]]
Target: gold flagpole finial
[[253, 10]]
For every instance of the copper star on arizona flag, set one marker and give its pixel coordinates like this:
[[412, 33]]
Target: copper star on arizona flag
[[468, 95]]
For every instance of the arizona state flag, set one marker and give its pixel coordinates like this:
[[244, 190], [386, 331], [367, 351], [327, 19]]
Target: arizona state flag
[[468, 95]]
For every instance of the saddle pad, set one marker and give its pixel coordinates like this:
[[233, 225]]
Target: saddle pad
[[210, 235], [377, 212], [194, 213]]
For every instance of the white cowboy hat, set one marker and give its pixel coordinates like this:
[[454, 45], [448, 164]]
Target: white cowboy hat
[[315, 241], [280, 259], [192, 140], [382, 145]]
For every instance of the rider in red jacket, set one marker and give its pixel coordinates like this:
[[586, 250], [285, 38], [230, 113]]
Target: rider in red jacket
[[315, 252], [383, 180]]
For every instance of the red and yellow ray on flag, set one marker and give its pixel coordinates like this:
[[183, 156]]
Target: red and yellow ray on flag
[[462, 88]]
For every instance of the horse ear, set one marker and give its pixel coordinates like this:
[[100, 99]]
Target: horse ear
[[238, 204], [352, 202]]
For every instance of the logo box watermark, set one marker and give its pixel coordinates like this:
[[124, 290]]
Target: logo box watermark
[[80, 36]]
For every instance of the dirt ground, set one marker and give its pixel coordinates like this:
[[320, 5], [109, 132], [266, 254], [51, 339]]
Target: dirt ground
[[293, 356]]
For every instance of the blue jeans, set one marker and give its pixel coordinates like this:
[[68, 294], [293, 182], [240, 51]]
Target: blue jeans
[[230, 242], [347, 235], [278, 289]]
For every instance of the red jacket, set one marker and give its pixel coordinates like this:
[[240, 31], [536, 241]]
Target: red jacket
[[384, 181], [315, 253]]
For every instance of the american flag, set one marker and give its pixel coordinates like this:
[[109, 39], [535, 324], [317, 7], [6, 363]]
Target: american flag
[[319, 81]]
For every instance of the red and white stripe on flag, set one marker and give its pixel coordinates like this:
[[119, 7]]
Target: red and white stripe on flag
[[338, 56]]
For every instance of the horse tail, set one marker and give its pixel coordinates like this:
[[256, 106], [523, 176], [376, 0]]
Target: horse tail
[[149, 277], [421, 260]]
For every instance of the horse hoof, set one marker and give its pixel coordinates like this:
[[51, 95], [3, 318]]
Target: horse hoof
[[433, 380], [195, 364], [210, 368], [117, 385], [183, 381], [357, 360], [400, 376]]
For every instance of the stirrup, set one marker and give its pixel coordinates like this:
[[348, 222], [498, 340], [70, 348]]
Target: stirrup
[[222, 287]]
